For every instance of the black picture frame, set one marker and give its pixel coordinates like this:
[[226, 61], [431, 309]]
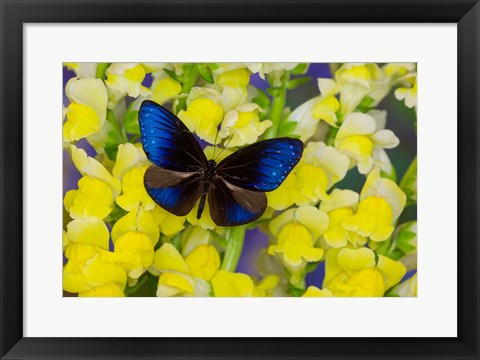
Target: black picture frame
[[15, 13]]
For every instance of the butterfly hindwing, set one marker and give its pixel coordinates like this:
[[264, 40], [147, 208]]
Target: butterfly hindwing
[[262, 166], [231, 205], [176, 192], [167, 141]]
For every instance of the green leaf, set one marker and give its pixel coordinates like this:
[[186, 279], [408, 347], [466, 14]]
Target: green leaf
[[294, 83], [130, 122], [392, 175], [205, 73], [213, 66], [287, 127], [174, 76], [300, 69], [403, 241]]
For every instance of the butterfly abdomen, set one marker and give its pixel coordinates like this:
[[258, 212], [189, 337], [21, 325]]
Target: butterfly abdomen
[[209, 174]]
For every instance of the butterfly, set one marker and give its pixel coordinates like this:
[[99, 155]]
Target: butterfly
[[181, 175]]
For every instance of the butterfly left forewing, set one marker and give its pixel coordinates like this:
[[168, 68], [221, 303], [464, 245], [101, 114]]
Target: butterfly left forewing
[[231, 205]]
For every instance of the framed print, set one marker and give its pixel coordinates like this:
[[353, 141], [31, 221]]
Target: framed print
[[265, 180]]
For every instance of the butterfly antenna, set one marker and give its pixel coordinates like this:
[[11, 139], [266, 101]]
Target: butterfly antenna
[[215, 144], [225, 146]]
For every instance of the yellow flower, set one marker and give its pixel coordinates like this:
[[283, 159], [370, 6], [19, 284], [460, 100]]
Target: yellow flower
[[313, 291], [359, 136], [323, 107], [228, 284], [164, 88], [139, 220], [168, 223], [354, 272], [88, 166], [126, 78], [203, 262], [83, 69], [134, 193], [236, 78], [319, 169], [266, 68], [408, 92], [341, 204], [407, 288], [357, 81], [87, 269], [327, 106], [87, 110], [203, 117], [297, 230], [194, 236], [128, 157], [90, 231], [134, 251], [381, 203], [242, 126], [189, 277], [93, 198]]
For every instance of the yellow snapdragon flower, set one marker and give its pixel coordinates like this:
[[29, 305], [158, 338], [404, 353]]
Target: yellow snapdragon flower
[[203, 116], [358, 138], [228, 284], [267, 68], [126, 78], [242, 125], [319, 169], [134, 192], [313, 291], [164, 88], [188, 277], [88, 269], [407, 288], [83, 69], [87, 110], [408, 92], [381, 203], [296, 232], [341, 204], [356, 81], [323, 107], [354, 272]]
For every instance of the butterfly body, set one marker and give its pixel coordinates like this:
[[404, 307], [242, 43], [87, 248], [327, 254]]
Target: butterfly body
[[207, 182], [181, 176]]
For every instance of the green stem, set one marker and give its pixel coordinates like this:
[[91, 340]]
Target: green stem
[[235, 237], [278, 105], [101, 68]]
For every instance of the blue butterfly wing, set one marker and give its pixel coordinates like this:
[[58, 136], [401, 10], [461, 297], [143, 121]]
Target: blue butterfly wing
[[176, 192], [167, 141], [231, 205], [262, 166]]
